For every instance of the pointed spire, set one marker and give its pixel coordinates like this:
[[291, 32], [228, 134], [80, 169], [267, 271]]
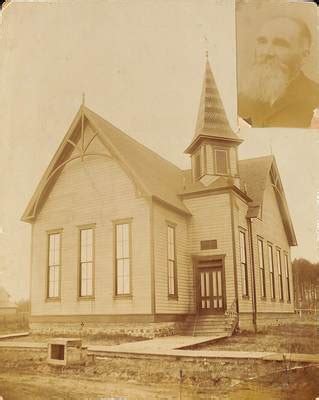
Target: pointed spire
[[212, 121]]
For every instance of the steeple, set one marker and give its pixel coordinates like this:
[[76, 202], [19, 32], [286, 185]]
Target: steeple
[[212, 121], [214, 146]]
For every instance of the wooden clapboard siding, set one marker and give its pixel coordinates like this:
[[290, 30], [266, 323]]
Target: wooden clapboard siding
[[211, 219], [93, 191], [185, 301], [271, 229]]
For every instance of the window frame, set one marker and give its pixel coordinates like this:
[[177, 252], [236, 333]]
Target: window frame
[[244, 265], [279, 274], [272, 282], [47, 286], [116, 223], [262, 272], [287, 276], [80, 229], [174, 295], [226, 151]]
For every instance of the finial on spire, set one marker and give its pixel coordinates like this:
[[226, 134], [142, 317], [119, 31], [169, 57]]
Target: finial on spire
[[206, 45]]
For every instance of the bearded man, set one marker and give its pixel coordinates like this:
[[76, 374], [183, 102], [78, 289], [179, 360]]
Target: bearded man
[[277, 93]]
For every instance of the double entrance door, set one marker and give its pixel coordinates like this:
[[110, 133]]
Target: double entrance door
[[210, 284]]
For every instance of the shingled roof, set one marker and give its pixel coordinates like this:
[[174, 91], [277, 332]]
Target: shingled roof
[[159, 178], [155, 176], [212, 121], [254, 174], [253, 178]]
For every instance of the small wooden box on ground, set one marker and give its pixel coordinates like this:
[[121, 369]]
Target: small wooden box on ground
[[66, 351]]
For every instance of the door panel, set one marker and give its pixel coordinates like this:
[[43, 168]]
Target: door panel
[[211, 296]]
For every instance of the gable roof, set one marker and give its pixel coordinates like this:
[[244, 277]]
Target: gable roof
[[212, 121], [254, 174], [155, 176], [162, 180]]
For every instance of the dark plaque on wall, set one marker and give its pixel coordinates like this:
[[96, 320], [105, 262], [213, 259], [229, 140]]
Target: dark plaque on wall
[[208, 244]]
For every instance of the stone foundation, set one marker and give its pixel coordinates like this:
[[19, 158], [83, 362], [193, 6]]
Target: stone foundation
[[145, 330], [264, 320]]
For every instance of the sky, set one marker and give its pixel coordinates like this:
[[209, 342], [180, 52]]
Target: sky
[[140, 65]]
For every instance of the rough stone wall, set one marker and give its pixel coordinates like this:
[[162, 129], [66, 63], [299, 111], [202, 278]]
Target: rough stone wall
[[147, 330], [264, 320]]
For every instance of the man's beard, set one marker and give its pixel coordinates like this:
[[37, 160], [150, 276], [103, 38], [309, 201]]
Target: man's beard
[[267, 81]]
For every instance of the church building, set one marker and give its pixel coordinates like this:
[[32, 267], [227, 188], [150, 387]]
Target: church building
[[124, 240]]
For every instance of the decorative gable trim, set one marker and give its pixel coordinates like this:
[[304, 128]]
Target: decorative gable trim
[[74, 139]]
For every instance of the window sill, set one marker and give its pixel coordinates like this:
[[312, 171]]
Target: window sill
[[281, 301], [263, 298], [273, 300], [123, 297], [172, 297], [53, 299], [245, 297], [86, 298]]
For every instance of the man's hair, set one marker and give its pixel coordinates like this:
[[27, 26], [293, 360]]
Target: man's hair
[[304, 30]]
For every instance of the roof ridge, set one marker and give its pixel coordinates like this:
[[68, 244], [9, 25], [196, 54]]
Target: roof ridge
[[270, 156], [131, 139]]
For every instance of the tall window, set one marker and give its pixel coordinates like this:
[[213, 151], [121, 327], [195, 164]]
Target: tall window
[[221, 161], [262, 277], [243, 263], [86, 262], [54, 261], [271, 272], [171, 261], [287, 277], [123, 259], [280, 283]]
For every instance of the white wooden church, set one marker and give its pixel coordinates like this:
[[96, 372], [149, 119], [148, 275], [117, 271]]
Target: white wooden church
[[123, 238]]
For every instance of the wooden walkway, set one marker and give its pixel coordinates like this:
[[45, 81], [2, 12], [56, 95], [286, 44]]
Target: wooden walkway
[[175, 347]]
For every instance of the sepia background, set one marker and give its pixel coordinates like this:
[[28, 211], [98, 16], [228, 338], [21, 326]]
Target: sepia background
[[140, 65]]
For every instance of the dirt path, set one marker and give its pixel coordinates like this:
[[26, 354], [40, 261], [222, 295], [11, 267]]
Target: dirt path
[[35, 387]]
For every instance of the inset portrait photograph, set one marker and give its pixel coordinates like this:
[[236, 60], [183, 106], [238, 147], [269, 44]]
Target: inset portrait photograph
[[277, 64]]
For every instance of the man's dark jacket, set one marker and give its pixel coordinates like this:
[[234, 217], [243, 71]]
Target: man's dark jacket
[[293, 109]]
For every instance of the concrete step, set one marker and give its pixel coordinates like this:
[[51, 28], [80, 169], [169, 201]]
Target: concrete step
[[212, 323]]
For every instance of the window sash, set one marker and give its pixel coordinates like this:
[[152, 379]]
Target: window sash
[[280, 282], [287, 278], [262, 276], [122, 259], [86, 262], [243, 263], [171, 261], [54, 265], [271, 271]]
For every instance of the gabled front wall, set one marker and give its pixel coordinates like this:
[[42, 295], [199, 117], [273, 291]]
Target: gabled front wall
[[271, 229], [211, 220], [93, 191]]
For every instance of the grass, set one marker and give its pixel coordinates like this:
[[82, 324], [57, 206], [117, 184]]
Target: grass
[[103, 339], [288, 338]]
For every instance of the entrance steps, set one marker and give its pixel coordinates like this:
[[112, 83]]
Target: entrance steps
[[206, 325]]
